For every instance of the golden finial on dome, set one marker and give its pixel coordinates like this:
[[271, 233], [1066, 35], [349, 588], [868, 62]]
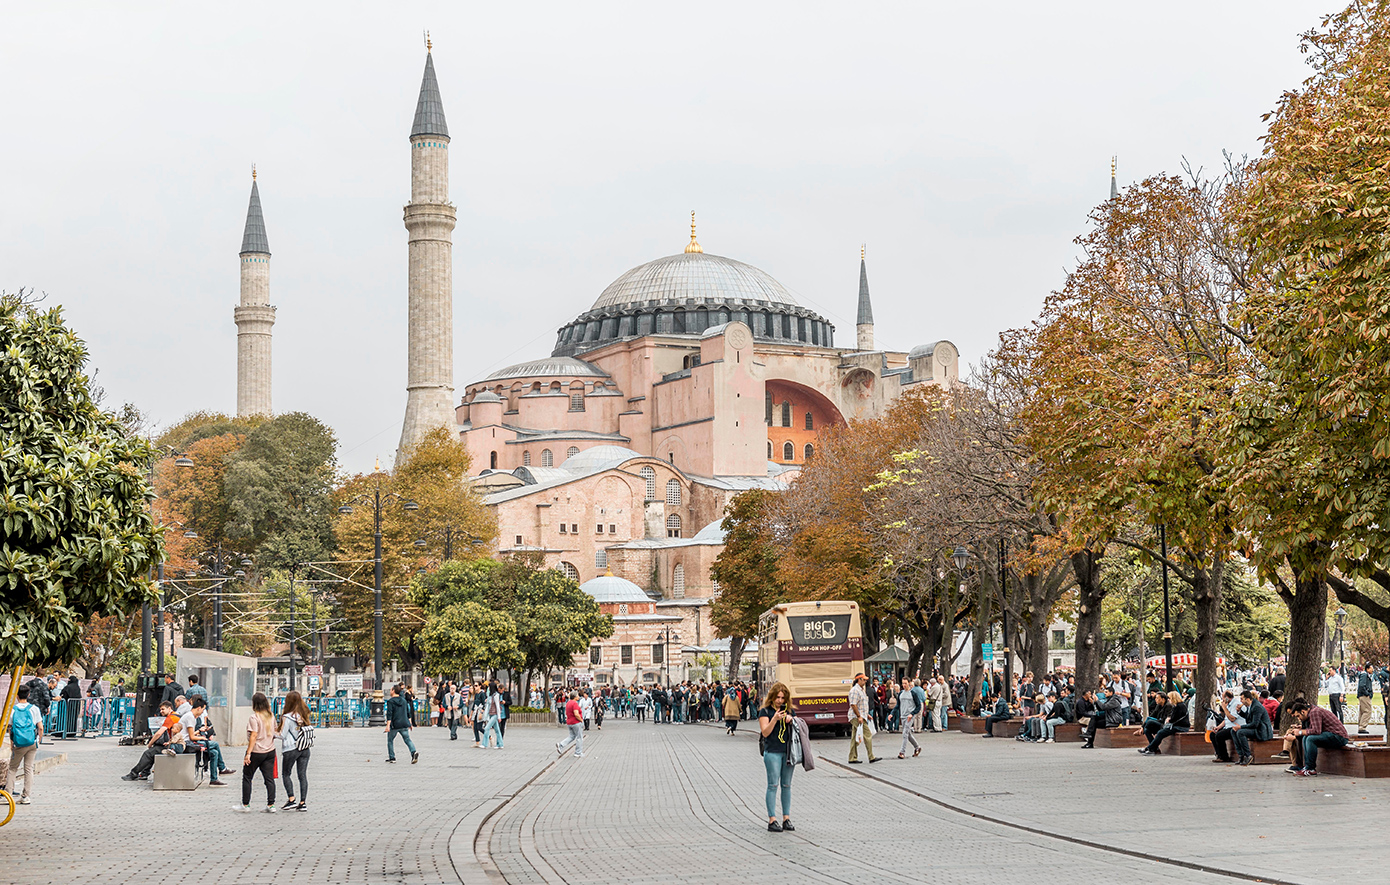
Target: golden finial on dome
[[253, 171], [428, 44], [377, 469], [608, 572], [692, 246]]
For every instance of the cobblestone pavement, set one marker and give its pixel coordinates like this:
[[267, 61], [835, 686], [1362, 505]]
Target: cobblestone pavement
[[676, 803]]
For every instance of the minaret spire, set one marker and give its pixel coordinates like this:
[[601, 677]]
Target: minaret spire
[[254, 317], [430, 219], [1114, 189], [864, 323]]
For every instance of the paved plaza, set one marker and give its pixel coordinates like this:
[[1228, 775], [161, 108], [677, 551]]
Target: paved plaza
[[685, 803]]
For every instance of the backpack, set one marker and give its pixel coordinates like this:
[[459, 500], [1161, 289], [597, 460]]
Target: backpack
[[305, 738], [23, 734]]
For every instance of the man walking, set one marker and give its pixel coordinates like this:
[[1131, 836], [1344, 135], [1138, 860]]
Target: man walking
[[398, 723], [1365, 692], [26, 728], [574, 721], [1336, 688], [907, 712], [860, 725]]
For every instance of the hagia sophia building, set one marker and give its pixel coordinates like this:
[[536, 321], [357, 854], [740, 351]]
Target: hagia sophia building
[[688, 380]]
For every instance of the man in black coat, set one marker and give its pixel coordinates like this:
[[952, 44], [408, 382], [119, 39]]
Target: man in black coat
[[1107, 714], [1257, 726], [172, 690]]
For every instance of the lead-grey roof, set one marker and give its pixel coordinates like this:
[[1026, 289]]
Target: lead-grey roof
[[429, 110], [254, 240], [694, 275], [866, 310], [553, 365]]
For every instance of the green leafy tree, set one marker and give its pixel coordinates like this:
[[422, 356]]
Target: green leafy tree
[[746, 569], [469, 636], [77, 538]]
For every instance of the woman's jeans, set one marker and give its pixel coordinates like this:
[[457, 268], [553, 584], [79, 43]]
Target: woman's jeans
[[391, 742], [265, 763], [1159, 735], [779, 773], [290, 762], [492, 729]]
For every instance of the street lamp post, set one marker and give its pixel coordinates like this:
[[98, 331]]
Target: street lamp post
[[1341, 639], [1167, 617], [447, 534], [181, 460], [666, 635], [377, 717]]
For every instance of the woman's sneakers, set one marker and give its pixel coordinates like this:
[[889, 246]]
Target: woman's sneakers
[[290, 804], [774, 827], [787, 826], [270, 809], [301, 807], [415, 757]]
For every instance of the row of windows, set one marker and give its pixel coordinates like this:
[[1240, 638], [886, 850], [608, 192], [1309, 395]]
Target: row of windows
[[625, 654], [547, 457], [765, 325], [789, 451], [786, 414], [601, 561], [673, 487], [573, 528]]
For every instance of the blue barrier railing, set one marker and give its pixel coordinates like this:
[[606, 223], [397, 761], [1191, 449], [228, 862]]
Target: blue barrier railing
[[73, 718], [331, 712]]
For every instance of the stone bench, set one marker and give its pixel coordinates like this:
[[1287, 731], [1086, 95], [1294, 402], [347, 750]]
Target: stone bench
[[1349, 761], [1067, 733], [179, 772], [1187, 743], [1121, 737], [970, 724], [1007, 728]]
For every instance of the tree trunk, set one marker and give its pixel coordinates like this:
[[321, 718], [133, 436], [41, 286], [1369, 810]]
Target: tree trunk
[[1206, 594], [1035, 644], [932, 647], [948, 628], [1307, 615], [736, 644], [1089, 642], [983, 616]]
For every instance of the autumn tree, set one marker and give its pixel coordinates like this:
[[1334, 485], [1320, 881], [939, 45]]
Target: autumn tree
[[1311, 435], [746, 570]]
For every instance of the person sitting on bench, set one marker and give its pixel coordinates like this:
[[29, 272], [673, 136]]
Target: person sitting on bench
[[1257, 726], [168, 739], [1316, 728], [1228, 720], [1108, 713], [1154, 721], [1062, 711], [1032, 729], [1175, 720], [200, 731], [1002, 713]]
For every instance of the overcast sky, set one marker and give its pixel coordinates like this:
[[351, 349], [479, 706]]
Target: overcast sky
[[964, 143]]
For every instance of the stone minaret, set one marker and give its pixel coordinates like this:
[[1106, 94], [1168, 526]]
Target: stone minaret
[[1114, 188], [864, 325], [430, 219], [254, 317]]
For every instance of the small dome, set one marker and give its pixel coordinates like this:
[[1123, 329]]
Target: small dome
[[486, 396], [599, 456], [613, 589], [921, 350], [553, 365]]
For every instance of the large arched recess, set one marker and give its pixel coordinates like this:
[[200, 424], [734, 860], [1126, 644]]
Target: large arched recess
[[801, 400]]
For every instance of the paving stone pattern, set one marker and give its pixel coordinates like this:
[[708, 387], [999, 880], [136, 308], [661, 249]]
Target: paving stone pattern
[[685, 803]]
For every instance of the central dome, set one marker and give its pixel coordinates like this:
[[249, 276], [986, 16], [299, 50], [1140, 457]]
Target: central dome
[[696, 275]]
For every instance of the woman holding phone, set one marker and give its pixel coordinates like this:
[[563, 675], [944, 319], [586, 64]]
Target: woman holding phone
[[775, 723]]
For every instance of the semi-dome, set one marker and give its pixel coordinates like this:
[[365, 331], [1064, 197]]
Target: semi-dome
[[697, 275], [613, 589], [687, 294], [555, 365], [599, 456]]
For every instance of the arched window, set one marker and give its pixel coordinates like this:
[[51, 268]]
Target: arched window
[[577, 396], [494, 459], [810, 422], [678, 582], [650, 476], [569, 571], [767, 406], [810, 450], [788, 452], [526, 459], [555, 386], [673, 492], [573, 450], [547, 458], [673, 526], [769, 450], [786, 413]]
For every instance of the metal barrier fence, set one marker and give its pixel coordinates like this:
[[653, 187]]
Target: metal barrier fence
[[331, 712], [73, 718]]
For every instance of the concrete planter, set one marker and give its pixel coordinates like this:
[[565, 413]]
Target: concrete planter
[[532, 719]]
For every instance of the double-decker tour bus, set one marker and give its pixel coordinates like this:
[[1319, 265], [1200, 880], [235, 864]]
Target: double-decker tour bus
[[816, 648]]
